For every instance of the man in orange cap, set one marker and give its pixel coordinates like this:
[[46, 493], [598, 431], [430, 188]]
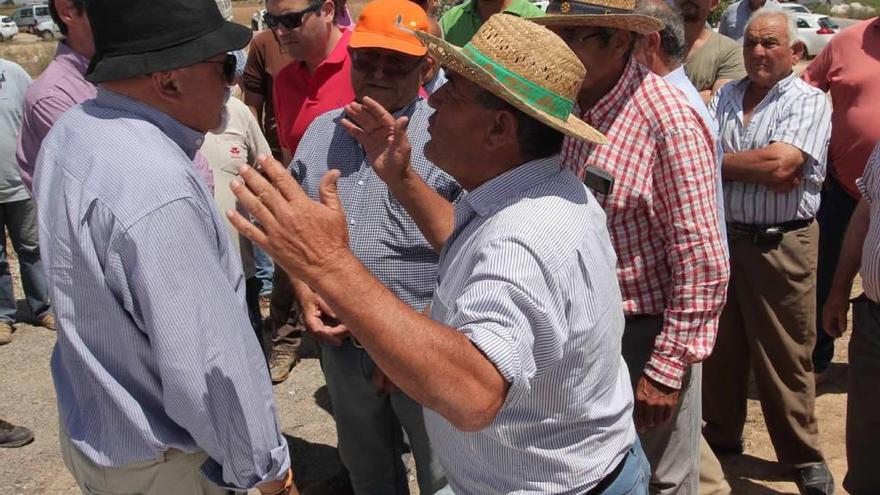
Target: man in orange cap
[[389, 66]]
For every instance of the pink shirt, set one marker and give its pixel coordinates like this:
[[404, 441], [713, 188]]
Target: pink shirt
[[58, 88], [850, 69]]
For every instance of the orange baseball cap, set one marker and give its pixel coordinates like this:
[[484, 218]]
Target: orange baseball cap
[[377, 27]]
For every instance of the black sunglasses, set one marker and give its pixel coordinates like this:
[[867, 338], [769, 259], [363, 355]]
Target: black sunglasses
[[229, 64], [290, 20]]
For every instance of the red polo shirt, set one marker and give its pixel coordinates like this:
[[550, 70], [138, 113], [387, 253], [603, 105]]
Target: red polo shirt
[[849, 68], [299, 97]]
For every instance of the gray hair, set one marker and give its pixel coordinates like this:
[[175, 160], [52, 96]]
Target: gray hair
[[672, 40], [772, 10]]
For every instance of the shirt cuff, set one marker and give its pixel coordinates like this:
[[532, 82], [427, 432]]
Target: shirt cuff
[[501, 350], [666, 370], [279, 465]]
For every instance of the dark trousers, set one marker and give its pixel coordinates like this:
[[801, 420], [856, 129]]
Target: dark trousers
[[863, 401], [834, 213], [285, 316]]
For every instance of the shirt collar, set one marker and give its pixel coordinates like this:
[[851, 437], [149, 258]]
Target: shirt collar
[[67, 55], [676, 76], [499, 191], [188, 139], [621, 93], [782, 85]]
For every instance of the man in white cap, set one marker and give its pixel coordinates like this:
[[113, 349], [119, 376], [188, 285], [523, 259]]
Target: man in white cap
[[518, 365]]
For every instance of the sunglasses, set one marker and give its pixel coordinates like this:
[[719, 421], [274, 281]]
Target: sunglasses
[[290, 20], [394, 69], [229, 64]]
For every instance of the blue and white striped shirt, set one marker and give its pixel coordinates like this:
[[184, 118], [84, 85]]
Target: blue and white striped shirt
[[155, 350], [869, 186], [529, 276], [381, 233], [793, 112]]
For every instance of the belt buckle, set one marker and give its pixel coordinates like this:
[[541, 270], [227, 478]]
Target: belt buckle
[[768, 236]]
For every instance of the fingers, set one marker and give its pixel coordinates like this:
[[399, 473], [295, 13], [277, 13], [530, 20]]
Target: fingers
[[251, 202], [248, 229], [281, 178], [316, 327], [378, 112], [325, 308], [356, 132], [329, 192]]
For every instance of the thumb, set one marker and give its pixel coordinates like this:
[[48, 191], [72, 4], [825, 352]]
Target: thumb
[[328, 191]]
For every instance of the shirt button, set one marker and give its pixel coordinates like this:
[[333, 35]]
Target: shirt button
[[360, 182], [352, 222]]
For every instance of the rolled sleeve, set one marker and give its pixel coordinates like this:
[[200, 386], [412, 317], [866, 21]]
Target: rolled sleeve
[[686, 206], [806, 125], [509, 309], [213, 375]]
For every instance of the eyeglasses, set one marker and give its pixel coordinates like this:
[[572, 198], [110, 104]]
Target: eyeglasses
[[229, 64], [290, 20], [393, 69], [576, 36]]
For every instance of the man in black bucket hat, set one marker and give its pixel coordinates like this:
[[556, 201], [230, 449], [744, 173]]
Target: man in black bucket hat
[[162, 387]]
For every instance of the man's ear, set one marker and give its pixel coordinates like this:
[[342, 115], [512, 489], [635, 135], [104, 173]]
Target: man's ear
[[503, 130], [430, 68], [167, 84], [798, 49], [621, 40]]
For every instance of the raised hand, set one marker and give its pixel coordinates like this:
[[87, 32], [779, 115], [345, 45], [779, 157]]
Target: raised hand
[[383, 138], [302, 235]]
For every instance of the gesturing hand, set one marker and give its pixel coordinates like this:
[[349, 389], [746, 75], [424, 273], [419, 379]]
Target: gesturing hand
[[302, 235], [383, 138], [318, 318], [654, 404]]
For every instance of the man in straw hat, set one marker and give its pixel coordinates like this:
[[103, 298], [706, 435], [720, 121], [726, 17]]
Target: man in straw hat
[[389, 66], [162, 387], [662, 214], [519, 364]]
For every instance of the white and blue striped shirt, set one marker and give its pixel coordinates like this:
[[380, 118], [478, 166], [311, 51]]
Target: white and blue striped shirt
[[793, 112], [869, 186], [381, 233], [155, 350], [529, 276]]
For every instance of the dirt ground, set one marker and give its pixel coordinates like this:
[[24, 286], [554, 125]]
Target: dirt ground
[[27, 396]]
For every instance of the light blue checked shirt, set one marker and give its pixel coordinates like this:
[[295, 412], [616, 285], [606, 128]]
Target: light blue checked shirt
[[154, 348], [793, 112], [381, 233], [529, 276]]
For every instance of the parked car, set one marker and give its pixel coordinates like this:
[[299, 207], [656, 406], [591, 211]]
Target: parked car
[[47, 30], [815, 31], [795, 8], [28, 17], [541, 4], [8, 28]]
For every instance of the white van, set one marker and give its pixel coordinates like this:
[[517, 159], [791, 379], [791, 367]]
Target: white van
[[28, 17]]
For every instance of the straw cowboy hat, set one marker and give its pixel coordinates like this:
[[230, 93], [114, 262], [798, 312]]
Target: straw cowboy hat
[[617, 14], [524, 64]]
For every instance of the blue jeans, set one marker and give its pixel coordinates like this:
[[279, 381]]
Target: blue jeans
[[265, 270], [833, 217], [19, 218], [635, 475]]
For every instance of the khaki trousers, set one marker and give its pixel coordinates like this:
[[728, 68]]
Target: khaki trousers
[[770, 322], [712, 479], [863, 401], [171, 473]]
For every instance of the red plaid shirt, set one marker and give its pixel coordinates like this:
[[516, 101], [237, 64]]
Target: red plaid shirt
[[661, 214]]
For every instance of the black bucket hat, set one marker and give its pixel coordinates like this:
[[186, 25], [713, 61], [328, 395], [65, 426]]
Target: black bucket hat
[[138, 37]]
